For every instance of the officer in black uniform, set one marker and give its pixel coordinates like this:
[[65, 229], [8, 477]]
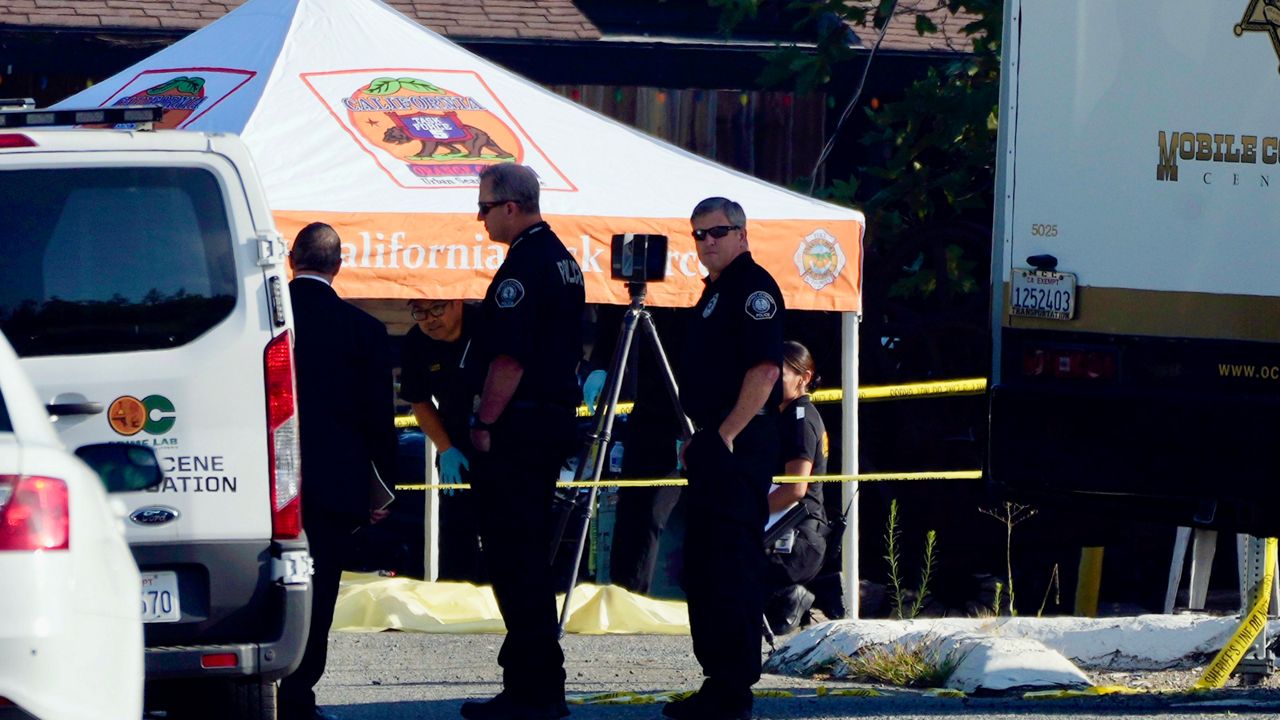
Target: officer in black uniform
[[523, 428], [798, 540], [730, 365], [437, 363]]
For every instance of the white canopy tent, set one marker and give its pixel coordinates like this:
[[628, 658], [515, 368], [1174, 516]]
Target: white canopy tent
[[360, 117]]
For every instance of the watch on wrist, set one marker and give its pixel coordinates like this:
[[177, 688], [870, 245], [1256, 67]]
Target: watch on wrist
[[477, 424]]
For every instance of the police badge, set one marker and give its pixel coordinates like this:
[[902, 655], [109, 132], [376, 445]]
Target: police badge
[[711, 306]]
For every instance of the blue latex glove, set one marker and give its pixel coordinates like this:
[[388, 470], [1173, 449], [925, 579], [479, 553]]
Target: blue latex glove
[[452, 463], [591, 388]]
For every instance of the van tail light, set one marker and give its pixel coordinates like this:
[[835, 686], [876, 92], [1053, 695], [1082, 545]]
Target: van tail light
[[1087, 364], [34, 513], [282, 439], [15, 140]]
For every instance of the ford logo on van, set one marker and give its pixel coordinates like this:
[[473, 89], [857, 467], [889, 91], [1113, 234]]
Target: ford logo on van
[[154, 515]]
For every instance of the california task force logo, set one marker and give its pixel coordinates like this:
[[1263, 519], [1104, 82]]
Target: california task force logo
[[430, 128], [819, 259], [440, 134], [1262, 16]]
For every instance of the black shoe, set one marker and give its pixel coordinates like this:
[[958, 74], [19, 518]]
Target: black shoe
[[787, 609], [505, 707], [701, 706]]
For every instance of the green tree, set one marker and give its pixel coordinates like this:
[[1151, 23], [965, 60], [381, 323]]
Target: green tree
[[928, 195]]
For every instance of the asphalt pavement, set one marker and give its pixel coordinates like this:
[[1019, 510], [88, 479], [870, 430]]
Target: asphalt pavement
[[423, 676]]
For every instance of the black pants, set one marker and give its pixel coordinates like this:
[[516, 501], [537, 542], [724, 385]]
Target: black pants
[[803, 563], [328, 536], [637, 534], [514, 483], [724, 559]]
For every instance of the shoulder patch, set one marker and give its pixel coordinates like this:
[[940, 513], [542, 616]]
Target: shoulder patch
[[799, 412], [761, 305], [510, 293]]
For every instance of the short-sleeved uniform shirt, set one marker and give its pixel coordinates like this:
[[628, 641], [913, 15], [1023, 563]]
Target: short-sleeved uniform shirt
[[736, 325], [449, 372], [803, 436], [533, 313]]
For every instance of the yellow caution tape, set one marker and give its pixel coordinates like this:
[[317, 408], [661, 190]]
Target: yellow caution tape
[[614, 698], [874, 393], [944, 693], [1252, 622], [782, 479], [1096, 691], [824, 691], [773, 693]]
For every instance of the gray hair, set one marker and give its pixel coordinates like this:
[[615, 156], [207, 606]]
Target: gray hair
[[515, 183], [317, 249], [732, 210]]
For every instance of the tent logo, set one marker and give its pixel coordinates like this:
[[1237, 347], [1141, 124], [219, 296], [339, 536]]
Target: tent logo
[[186, 94], [1262, 16], [444, 138], [819, 259], [179, 97]]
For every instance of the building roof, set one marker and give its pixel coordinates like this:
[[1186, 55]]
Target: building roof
[[458, 19], [901, 35], [532, 19]]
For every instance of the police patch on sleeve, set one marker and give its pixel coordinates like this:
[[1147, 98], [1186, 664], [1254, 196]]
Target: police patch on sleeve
[[510, 293], [761, 305]]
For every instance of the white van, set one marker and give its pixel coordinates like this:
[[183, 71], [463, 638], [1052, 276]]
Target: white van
[[143, 288]]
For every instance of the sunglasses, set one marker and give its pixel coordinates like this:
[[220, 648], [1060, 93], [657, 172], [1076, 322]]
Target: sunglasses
[[420, 313], [716, 232], [487, 205]]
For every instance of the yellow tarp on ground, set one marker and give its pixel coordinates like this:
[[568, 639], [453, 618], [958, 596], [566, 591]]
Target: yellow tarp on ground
[[372, 603]]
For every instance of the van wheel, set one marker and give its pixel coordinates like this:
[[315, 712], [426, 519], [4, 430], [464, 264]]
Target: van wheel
[[253, 699], [224, 699]]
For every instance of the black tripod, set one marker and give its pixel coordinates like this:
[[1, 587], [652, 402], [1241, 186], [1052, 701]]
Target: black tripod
[[594, 451]]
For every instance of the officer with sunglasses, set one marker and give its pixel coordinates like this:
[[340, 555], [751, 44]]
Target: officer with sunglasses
[[437, 364], [522, 429], [731, 361]]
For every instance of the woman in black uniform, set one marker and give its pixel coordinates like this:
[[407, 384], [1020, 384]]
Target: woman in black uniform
[[795, 556]]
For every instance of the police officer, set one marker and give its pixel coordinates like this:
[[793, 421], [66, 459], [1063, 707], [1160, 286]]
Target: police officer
[[796, 556], [437, 363], [730, 365], [522, 431]]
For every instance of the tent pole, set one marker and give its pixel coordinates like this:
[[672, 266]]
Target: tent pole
[[431, 518], [849, 322]]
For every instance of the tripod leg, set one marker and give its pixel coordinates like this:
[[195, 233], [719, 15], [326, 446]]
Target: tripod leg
[[655, 344], [595, 451]]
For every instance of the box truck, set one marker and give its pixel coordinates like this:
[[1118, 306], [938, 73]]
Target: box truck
[[1136, 260]]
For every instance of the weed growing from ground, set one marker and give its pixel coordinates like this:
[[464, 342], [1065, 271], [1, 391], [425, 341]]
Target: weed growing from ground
[[1011, 514], [892, 539], [917, 664]]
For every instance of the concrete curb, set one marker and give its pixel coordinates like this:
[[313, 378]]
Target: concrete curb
[[998, 654]]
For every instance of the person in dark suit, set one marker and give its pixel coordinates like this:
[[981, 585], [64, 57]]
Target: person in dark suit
[[346, 422]]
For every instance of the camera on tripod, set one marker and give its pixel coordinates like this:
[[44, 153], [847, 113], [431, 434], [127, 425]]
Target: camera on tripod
[[639, 258]]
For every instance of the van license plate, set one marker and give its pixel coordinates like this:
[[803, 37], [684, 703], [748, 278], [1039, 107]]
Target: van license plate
[[160, 597], [1043, 294]]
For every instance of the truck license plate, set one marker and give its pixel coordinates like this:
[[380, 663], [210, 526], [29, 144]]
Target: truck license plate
[[1043, 294], [160, 597]]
